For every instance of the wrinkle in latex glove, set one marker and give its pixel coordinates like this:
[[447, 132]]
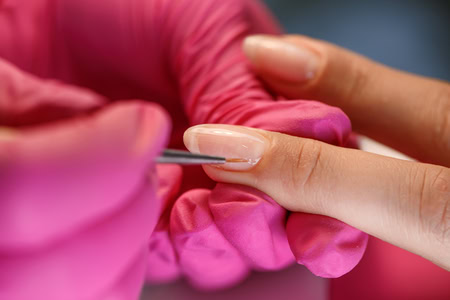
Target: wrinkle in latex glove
[[186, 55], [72, 190]]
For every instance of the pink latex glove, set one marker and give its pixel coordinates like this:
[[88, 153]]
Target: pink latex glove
[[77, 201], [167, 51]]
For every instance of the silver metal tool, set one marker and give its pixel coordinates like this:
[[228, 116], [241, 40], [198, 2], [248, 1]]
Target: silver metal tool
[[170, 156]]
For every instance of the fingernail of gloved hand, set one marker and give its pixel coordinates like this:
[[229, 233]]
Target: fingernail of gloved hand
[[273, 56], [242, 147]]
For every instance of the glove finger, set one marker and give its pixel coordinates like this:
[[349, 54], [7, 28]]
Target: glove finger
[[253, 223], [206, 258], [169, 183], [162, 263], [86, 263], [72, 173], [309, 119], [28, 100], [129, 285], [327, 247]]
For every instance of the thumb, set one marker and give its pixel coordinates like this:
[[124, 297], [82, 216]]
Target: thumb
[[382, 196]]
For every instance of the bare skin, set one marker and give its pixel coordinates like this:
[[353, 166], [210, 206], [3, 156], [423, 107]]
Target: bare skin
[[402, 202]]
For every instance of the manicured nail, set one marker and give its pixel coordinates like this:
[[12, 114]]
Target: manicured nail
[[287, 61], [242, 146]]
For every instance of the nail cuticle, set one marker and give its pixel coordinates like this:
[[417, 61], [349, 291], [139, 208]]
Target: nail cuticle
[[243, 148]]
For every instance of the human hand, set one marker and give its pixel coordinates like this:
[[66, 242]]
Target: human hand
[[405, 203], [76, 188], [190, 60], [404, 111]]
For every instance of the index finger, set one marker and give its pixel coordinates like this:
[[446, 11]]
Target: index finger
[[404, 111], [402, 202]]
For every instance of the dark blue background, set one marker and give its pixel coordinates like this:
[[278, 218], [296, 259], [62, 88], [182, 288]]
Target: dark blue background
[[409, 35]]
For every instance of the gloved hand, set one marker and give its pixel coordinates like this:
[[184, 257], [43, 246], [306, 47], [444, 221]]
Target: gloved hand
[[167, 51], [77, 197], [217, 87]]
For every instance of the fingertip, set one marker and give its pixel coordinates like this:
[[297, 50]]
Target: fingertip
[[242, 147], [148, 126], [249, 46], [277, 57], [158, 116]]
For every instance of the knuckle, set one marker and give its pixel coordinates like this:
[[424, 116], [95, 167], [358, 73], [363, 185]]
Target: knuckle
[[306, 164], [434, 199], [357, 83], [442, 117], [441, 188]]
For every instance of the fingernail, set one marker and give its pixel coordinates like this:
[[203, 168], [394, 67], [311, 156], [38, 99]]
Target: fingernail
[[281, 59], [245, 146]]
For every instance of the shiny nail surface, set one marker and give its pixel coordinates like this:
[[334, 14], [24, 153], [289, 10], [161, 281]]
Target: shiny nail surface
[[242, 147], [282, 59]]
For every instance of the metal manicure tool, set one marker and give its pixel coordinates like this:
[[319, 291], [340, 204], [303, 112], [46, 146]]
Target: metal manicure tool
[[170, 156]]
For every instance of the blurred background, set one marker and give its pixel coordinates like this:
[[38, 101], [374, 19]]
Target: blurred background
[[409, 35]]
